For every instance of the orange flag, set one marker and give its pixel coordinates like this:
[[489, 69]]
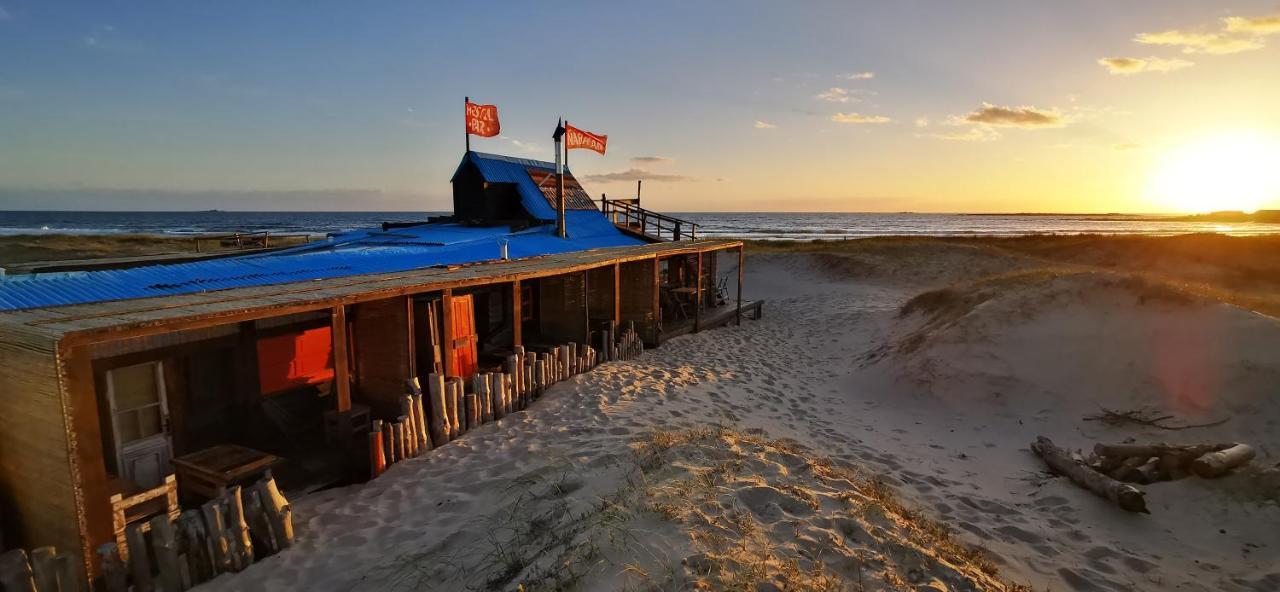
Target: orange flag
[[482, 120], [576, 138]]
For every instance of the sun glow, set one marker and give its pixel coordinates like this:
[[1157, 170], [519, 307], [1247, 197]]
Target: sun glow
[[1239, 171]]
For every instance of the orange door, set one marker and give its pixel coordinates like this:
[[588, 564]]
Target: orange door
[[464, 337]]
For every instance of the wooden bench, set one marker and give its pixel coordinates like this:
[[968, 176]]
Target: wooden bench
[[130, 505], [755, 308]]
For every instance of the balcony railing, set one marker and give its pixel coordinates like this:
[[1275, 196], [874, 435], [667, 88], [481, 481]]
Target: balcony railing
[[627, 214]]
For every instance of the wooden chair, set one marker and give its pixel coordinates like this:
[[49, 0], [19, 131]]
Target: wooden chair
[[141, 506]]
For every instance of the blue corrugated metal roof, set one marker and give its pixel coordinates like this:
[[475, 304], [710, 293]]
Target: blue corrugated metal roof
[[351, 253], [496, 168]]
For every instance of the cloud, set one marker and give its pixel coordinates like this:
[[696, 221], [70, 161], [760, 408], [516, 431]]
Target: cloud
[[529, 147], [1192, 42], [651, 160], [109, 38], [4, 14], [973, 134], [922, 121], [764, 125], [834, 95], [858, 118], [1126, 146], [859, 76], [1258, 25], [1023, 117], [634, 174], [1126, 66]]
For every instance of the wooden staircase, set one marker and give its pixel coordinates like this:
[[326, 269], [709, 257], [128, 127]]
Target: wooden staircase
[[627, 215]]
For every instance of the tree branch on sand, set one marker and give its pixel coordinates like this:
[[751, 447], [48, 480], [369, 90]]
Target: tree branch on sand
[[1060, 460], [1146, 417]]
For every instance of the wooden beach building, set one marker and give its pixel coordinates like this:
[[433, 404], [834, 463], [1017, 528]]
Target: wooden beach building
[[113, 380]]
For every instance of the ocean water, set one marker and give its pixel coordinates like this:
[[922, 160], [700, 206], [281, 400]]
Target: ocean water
[[780, 226]]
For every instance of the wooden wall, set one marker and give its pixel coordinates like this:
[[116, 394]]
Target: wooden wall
[[38, 504], [561, 308], [380, 352], [600, 293], [637, 290]]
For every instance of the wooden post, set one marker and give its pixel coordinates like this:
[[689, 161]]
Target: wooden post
[[15, 572], [377, 460], [657, 305], [115, 576], [438, 423], [410, 346], [166, 550], [341, 373], [446, 303], [44, 568], [194, 544], [517, 312], [139, 562], [617, 292], [742, 259], [70, 578], [697, 302]]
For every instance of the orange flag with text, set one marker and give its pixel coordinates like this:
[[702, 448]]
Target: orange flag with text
[[482, 120], [576, 138]]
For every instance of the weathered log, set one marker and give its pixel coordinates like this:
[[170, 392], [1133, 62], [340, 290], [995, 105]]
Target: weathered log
[[139, 559], [424, 438], [1128, 469], [480, 384], [194, 544], [165, 547], [410, 426], [279, 512], [115, 576], [264, 540], [377, 459], [1216, 464], [217, 532], [455, 401], [1149, 472], [1174, 467], [15, 572], [438, 424], [389, 441], [70, 572], [1146, 451], [44, 569], [242, 543], [1126, 496]]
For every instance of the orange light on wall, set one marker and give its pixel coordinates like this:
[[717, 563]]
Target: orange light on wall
[[295, 360]]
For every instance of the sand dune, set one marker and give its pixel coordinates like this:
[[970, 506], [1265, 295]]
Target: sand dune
[[821, 448]]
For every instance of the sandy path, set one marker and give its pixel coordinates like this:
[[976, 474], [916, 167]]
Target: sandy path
[[440, 521]]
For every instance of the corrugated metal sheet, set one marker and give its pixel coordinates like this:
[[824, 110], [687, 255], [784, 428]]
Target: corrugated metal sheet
[[496, 168], [352, 253]]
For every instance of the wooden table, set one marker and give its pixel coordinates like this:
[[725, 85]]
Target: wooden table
[[203, 473]]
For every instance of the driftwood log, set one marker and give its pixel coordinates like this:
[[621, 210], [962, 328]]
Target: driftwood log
[[115, 576], [165, 548], [139, 560], [1126, 496], [15, 572], [438, 423], [1216, 464]]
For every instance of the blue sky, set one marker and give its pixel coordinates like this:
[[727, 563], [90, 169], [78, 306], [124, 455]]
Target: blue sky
[[738, 105]]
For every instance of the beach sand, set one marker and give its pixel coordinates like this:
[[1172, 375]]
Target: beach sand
[[870, 432]]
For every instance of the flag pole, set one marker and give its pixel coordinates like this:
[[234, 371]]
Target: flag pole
[[560, 230], [566, 145], [465, 132]]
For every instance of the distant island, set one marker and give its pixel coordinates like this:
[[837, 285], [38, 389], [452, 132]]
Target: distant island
[[1267, 216], [1272, 216]]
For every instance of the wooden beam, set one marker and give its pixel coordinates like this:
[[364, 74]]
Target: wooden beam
[[657, 306], [586, 306], [446, 306], [517, 313], [411, 345], [268, 301], [247, 381], [742, 259], [697, 301], [341, 369], [88, 468], [617, 293]]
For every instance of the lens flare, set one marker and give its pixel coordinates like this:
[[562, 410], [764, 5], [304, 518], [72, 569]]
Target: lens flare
[[1238, 171]]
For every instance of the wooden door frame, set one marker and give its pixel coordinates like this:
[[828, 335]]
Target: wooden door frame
[[112, 411]]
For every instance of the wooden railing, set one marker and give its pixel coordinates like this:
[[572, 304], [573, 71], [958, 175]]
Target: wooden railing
[[242, 240], [628, 214]]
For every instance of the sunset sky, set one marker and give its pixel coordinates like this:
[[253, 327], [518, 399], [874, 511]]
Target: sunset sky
[[1087, 106]]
